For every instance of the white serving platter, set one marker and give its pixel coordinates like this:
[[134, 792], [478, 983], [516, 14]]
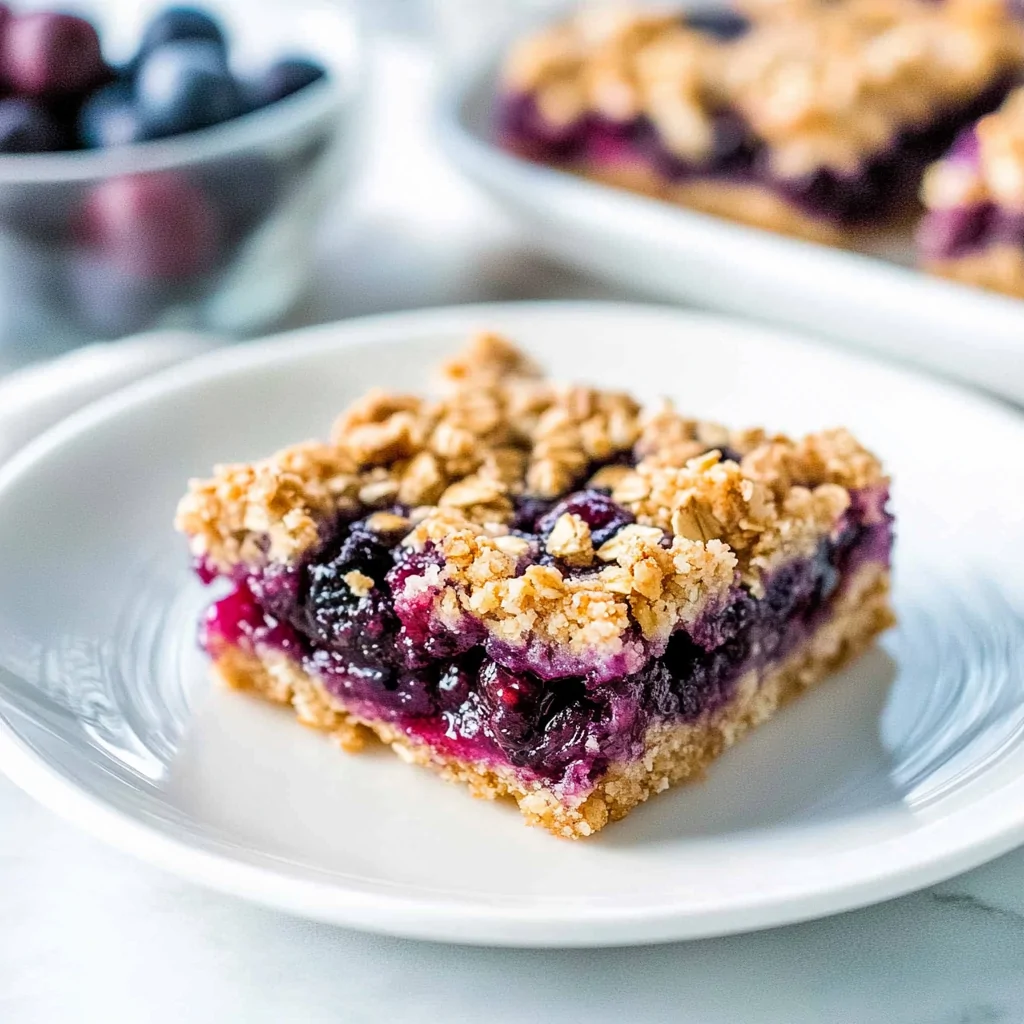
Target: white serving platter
[[681, 255]]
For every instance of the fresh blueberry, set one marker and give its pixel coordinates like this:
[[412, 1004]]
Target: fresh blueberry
[[341, 619], [180, 23], [158, 225], [513, 701], [27, 127], [282, 79], [456, 683], [52, 54], [604, 516], [183, 86], [528, 510], [720, 23], [110, 117]]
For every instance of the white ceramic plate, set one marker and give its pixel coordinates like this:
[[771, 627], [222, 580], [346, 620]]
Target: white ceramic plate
[[677, 254], [905, 770]]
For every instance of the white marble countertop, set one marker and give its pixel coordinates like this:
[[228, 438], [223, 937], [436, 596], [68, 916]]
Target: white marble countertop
[[87, 934]]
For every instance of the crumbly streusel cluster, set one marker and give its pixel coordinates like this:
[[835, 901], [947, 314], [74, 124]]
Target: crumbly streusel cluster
[[502, 432], [823, 89], [993, 172]]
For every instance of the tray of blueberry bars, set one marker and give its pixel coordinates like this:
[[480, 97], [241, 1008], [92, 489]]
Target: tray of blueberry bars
[[855, 169]]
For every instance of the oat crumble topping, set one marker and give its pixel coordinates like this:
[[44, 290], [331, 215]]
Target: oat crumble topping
[[660, 586], [457, 463], [823, 89], [359, 583]]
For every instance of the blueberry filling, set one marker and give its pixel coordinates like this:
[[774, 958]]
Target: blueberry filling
[[381, 652], [720, 23], [958, 231], [884, 182]]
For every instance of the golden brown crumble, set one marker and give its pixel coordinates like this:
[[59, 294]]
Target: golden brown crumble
[[570, 540], [358, 582], [655, 586], [822, 89], [267, 509], [503, 432]]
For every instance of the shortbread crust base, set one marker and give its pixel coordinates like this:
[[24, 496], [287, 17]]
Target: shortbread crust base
[[998, 268], [744, 203], [673, 753]]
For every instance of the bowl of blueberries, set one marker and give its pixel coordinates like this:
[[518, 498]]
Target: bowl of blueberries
[[167, 166]]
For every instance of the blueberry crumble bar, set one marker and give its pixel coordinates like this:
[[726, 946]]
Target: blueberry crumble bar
[[542, 592], [974, 228], [817, 124]]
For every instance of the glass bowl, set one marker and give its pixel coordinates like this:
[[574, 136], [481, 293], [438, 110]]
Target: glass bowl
[[250, 191]]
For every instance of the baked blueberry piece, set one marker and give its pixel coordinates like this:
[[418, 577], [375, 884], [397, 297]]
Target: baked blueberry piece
[[542, 592], [819, 126], [974, 228]]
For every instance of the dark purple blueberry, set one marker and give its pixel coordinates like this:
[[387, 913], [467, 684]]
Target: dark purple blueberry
[[456, 683], [277, 588], [27, 127], [342, 619], [49, 54], [157, 225], [341, 622], [513, 702], [660, 696], [282, 79], [721, 624], [412, 694], [532, 722], [604, 516], [110, 117], [788, 589], [718, 22], [182, 23], [184, 86], [562, 739], [733, 146], [350, 676], [528, 510], [109, 301], [468, 720]]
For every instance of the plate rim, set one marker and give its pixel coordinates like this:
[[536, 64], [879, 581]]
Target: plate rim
[[438, 917]]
